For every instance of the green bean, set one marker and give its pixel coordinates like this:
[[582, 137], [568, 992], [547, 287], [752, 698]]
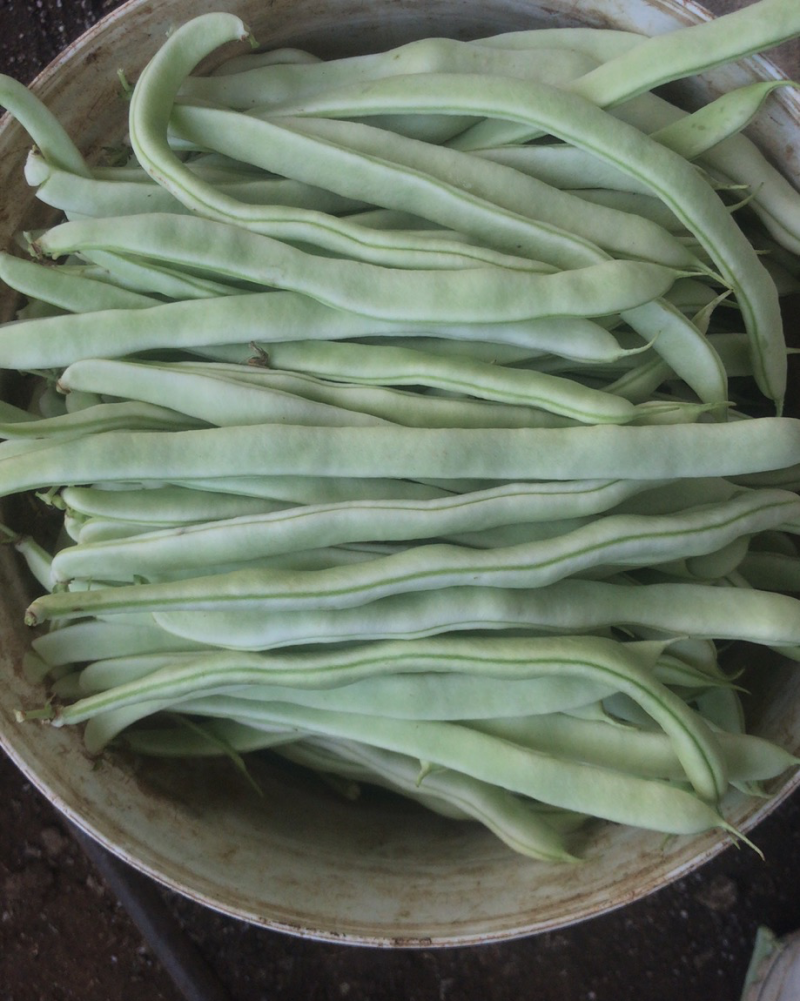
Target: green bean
[[160, 506], [42, 126], [475, 295], [672, 178], [37, 559], [411, 409], [392, 366], [599, 43], [641, 382], [514, 658], [627, 748], [158, 279], [692, 50], [55, 342], [586, 342], [116, 193], [593, 790], [275, 84], [515, 822], [626, 540], [726, 116], [66, 290], [209, 401], [417, 696], [594, 452], [94, 640], [333, 524], [664, 58], [79, 401], [700, 610], [130, 416], [85, 530]]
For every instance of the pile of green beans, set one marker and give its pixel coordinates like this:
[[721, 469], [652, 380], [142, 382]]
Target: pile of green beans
[[418, 418]]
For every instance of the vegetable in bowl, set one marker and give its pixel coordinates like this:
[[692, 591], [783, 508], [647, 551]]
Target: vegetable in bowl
[[679, 429]]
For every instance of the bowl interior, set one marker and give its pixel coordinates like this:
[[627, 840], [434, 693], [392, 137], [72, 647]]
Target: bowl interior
[[300, 858]]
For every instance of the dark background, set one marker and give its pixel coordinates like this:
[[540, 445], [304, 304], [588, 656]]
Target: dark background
[[64, 933]]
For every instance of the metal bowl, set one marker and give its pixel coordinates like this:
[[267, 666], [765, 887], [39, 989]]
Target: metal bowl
[[301, 859]]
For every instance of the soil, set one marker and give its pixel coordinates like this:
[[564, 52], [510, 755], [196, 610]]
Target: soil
[[65, 935]]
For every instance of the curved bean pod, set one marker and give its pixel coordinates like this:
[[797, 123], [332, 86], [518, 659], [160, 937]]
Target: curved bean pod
[[129, 416], [208, 401], [672, 56], [471, 296], [515, 822], [646, 752], [396, 406], [160, 506], [67, 290], [700, 610], [392, 366], [332, 524], [110, 195], [424, 696], [42, 126], [624, 540], [55, 342], [582, 124], [588, 789]]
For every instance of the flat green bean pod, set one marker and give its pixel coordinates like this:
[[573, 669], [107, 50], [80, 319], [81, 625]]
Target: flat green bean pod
[[66, 290], [473, 295], [397, 406], [700, 610], [394, 366], [131, 416], [55, 342], [612, 451], [588, 789], [618, 540], [515, 821], [334, 524], [277, 83], [42, 125], [207, 401], [673, 179], [672, 56], [645, 752]]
